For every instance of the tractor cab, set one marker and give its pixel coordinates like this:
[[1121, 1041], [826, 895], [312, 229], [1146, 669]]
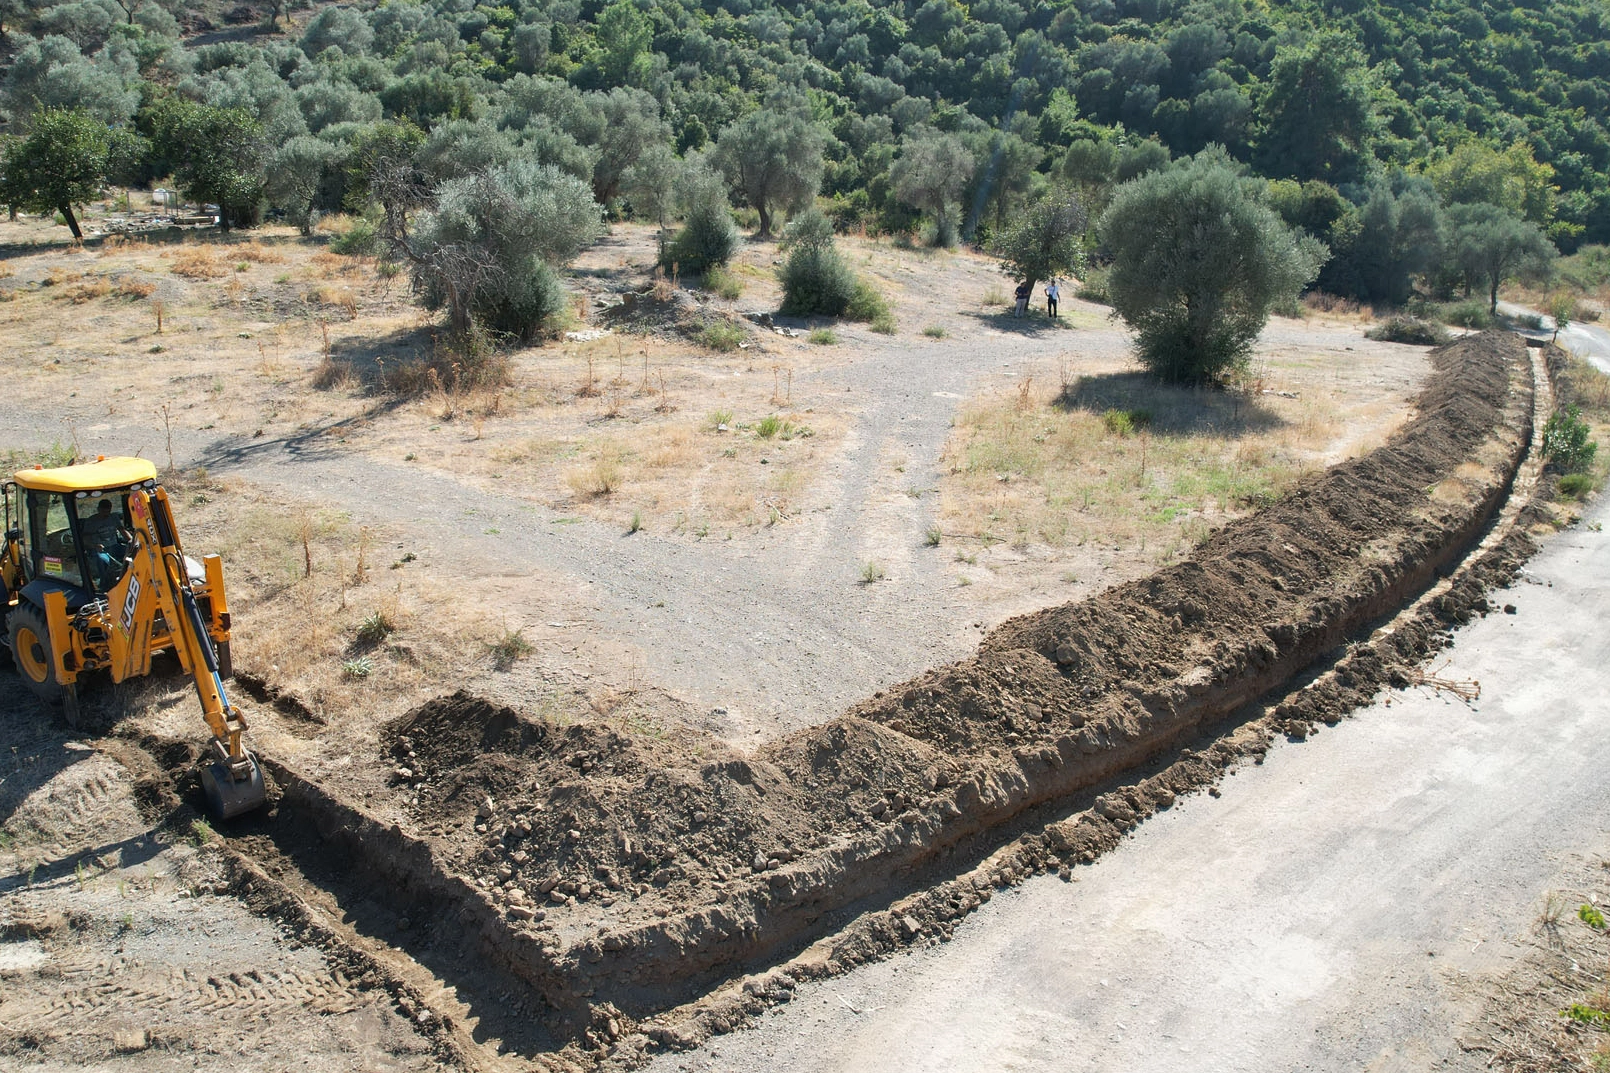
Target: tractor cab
[[70, 529]]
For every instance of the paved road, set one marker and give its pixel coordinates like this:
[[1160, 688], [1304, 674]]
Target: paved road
[[1319, 916], [1587, 340]]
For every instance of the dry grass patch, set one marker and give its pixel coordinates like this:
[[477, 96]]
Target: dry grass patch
[[1115, 459], [334, 297], [257, 253], [311, 592], [197, 263]]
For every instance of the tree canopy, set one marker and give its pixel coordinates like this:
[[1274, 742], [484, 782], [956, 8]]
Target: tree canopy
[[1382, 115], [1198, 262], [64, 161]]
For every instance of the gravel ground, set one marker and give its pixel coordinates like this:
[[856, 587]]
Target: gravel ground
[[1346, 905]]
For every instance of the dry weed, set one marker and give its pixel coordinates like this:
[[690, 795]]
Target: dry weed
[[340, 298], [600, 478], [257, 253], [197, 263]]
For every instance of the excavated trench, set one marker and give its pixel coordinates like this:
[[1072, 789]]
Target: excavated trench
[[588, 889]]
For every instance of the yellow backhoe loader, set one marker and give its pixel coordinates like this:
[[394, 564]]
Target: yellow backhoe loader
[[93, 578]]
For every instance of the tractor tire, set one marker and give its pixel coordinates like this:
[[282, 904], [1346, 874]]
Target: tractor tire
[[30, 650]]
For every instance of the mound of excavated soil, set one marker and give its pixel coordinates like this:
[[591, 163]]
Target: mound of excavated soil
[[616, 871]]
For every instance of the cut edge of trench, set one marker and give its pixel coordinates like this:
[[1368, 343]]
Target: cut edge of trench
[[1083, 827]]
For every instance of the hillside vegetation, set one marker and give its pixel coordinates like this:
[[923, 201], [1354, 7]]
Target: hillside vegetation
[[1379, 126]]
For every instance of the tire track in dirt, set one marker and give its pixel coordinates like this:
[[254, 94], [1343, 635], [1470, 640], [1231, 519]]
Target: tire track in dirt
[[777, 630], [932, 752]]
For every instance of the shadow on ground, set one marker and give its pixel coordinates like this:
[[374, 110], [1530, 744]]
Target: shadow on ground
[[1172, 410], [1032, 323]]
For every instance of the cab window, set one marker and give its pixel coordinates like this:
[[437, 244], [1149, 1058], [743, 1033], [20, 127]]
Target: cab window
[[53, 546]]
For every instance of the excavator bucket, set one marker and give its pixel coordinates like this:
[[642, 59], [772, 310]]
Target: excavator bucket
[[229, 796]]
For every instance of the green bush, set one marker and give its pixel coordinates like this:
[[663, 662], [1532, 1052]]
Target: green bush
[[1576, 485], [1566, 445], [362, 239], [817, 281], [721, 335], [823, 337], [866, 304], [708, 236], [1093, 288], [720, 280], [1471, 314], [816, 278], [1411, 330], [1126, 422]]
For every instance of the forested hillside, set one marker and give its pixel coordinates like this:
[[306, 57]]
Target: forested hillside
[[1388, 120]]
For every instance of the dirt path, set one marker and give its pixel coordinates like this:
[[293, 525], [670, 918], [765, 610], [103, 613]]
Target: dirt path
[[1341, 907], [774, 630]]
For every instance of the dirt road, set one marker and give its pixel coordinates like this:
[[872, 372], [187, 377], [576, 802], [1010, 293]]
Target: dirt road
[[1337, 909]]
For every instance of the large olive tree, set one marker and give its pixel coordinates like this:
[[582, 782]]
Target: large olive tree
[[1490, 245], [1198, 262], [773, 160]]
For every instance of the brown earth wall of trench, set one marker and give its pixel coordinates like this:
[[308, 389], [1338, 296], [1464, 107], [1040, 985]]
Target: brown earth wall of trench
[[1054, 703]]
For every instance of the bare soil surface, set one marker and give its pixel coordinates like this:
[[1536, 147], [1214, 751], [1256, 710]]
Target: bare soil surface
[[1401, 892], [661, 796], [743, 594], [595, 877]]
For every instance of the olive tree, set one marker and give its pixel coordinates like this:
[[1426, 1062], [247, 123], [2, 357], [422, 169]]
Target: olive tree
[[296, 173], [708, 235], [1198, 262], [929, 175], [1490, 246], [486, 251], [216, 154], [1046, 239], [773, 161]]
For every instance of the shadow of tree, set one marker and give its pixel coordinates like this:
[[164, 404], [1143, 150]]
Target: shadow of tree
[[1171, 410], [372, 359], [1033, 323]]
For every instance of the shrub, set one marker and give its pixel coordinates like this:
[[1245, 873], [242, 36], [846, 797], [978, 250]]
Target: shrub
[[816, 279], [866, 304], [1576, 485], [823, 337], [934, 331], [375, 627], [509, 648], [1093, 288], [1566, 445], [769, 426], [362, 239], [1411, 330], [1126, 422], [1471, 314], [719, 280], [708, 236], [721, 335]]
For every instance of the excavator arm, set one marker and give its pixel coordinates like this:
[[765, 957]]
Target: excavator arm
[[158, 584]]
